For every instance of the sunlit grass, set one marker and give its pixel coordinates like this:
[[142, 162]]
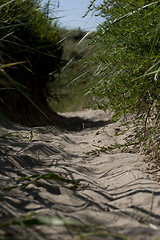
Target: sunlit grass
[[128, 56]]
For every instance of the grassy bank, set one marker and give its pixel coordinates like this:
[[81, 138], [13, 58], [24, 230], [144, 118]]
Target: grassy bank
[[128, 61], [29, 51]]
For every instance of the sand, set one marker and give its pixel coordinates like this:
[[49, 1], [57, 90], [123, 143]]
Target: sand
[[113, 197]]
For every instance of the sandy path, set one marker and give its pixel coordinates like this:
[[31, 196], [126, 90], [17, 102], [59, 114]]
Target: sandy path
[[114, 195]]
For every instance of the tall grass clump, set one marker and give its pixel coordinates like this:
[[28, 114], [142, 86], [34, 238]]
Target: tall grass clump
[[30, 37], [129, 60]]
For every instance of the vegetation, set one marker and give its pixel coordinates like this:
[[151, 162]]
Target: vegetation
[[129, 61], [68, 91], [29, 39], [126, 79], [43, 59]]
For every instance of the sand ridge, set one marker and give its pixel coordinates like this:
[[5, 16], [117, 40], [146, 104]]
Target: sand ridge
[[114, 195]]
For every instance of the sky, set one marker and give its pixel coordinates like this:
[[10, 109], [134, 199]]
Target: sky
[[71, 12]]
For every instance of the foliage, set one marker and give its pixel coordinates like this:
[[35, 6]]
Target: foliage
[[67, 93], [129, 58], [129, 49], [29, 36]]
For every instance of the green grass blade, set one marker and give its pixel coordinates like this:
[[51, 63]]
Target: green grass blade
[[35, 178], [10, 65], [86, 35], [5, 4], [56, 177], [13, 26], [30, 220], [133, 12], [146, 74], [50, 221]]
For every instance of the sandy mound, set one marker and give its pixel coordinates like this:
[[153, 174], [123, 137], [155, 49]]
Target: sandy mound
[[106, 190]]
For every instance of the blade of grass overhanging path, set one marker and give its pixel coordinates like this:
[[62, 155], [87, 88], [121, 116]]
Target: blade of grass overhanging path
[[147, 74], [27, 178], [36, 178], [30, 48], [86, 35], [10, 65], [6, 89], [31, 220], [65, 37], [156, 75], [54, 176], [14, 25], [56, 221], [133, 12], [154, 65], [22, 91], [18, 84], [1, 100], [68, 63], [5, 4], [80, 76], [7, 35]]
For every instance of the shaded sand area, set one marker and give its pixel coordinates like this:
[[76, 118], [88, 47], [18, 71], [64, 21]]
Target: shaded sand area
[[107, 193]]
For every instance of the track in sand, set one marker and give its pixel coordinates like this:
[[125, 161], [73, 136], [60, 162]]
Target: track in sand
[[114, 198]]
